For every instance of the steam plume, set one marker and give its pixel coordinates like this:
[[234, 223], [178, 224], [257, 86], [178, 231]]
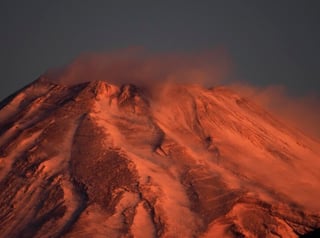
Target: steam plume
[[138, 67], [301, 112], [208, 68]]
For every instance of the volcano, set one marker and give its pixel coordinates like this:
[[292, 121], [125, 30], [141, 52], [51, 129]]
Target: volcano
[[100, 160]]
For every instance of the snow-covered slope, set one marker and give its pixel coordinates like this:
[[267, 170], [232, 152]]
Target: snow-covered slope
[[98, 160]]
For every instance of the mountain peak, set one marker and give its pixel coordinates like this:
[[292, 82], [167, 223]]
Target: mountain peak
[[97, 159]]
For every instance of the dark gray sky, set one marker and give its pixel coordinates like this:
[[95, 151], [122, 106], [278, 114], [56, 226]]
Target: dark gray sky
[[270, 42]]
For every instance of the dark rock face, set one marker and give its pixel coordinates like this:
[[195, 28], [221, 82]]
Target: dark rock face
[[100, 170], [97, 160]]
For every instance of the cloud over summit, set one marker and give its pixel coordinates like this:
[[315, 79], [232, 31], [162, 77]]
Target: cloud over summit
[[208, 68], [139, 67]]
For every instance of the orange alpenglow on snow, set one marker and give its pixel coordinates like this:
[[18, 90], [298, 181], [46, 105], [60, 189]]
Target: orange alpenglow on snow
[[97, 158]]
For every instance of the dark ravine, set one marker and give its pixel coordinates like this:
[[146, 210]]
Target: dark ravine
[[98, 160]]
